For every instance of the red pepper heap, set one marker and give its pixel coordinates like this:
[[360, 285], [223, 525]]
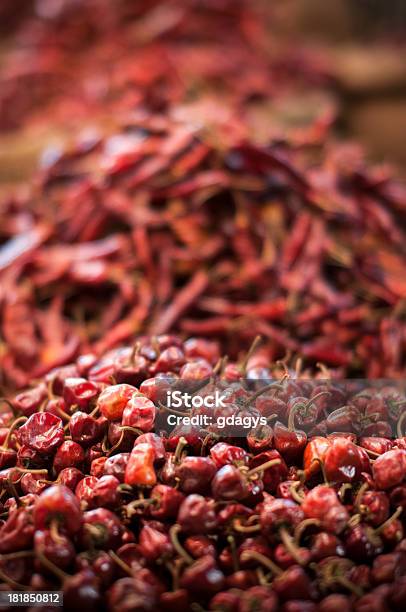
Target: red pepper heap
[[175, 234], [304, 513], [195, 212], [192, 211]]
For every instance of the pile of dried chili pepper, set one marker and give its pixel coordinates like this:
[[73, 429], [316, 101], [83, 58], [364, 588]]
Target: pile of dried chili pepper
[[202, 229], [104, 501], [201, 206], [63, 63], [155, 229]]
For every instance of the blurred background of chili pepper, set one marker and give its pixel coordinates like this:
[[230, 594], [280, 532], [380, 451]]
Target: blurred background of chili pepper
[[190, 179]]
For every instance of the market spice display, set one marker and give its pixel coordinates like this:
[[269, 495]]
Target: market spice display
[[202, 226], [101, 500]]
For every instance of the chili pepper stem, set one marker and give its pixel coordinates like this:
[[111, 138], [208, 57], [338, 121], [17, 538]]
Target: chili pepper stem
[[13, 490], [271, 417], [171, 410], [135, 351], [370, 452], [155, 345], [256, 342], [116, 445], [292, 415], [64, 414], [173, 534], [51, 566], [302, 476], [50, 392], [294, 491], [323, 471], [135, 430], [19, 554], [390, 520], [344, 487], [238, 526], [253, 555], [348, 584], [124, 566], [282, 364], [12, 427], [94, 411], [273, 385], [12, 583], [30, 471], [262, 579], [104, 444], [55, 535], [290, 545], [139, 503], [182, 442], [354, 520], [295, 408], [324, 369], [263, 466], [205, 442], [174, 569], [399, 426], [220, 366], [195, 607], [234, 555], [9, 404], [317, 396], [301, 527], [357, 501], [298, 367], [95, 531]]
